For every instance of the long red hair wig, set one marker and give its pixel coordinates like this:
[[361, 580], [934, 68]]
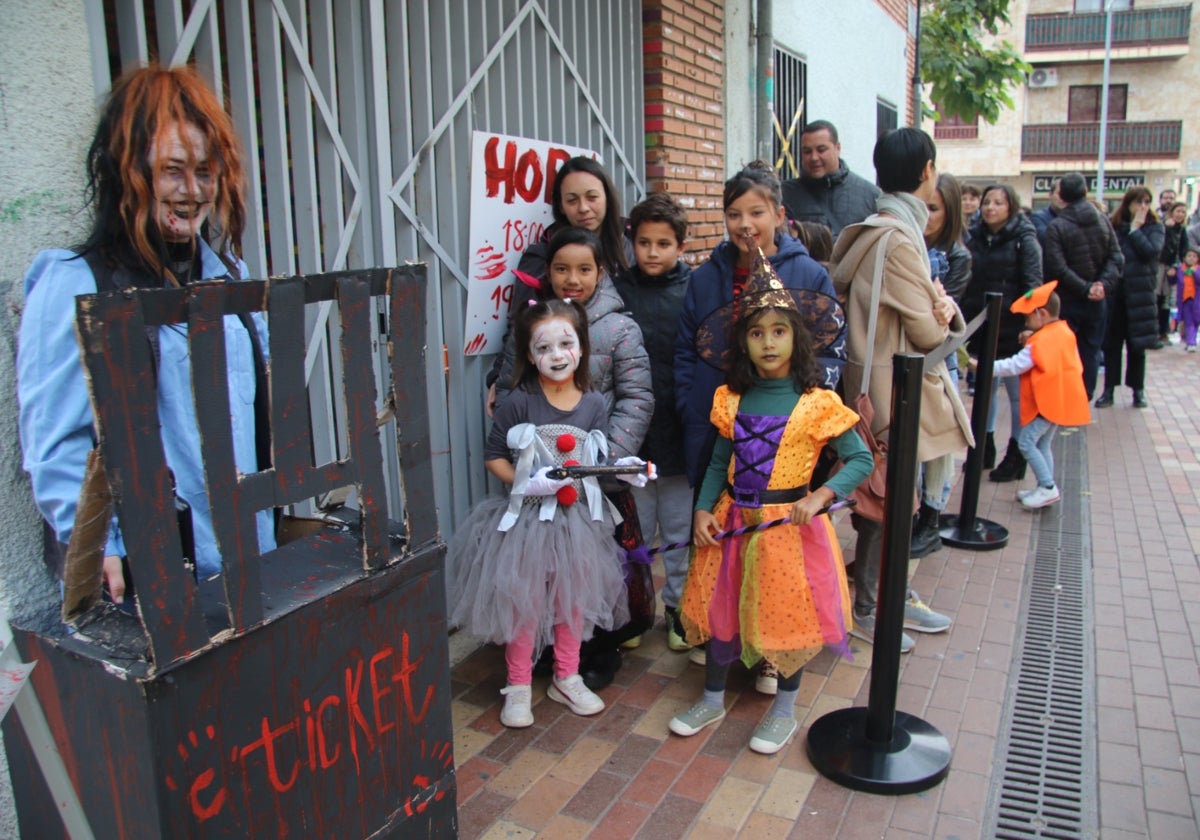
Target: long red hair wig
[[144, 106]]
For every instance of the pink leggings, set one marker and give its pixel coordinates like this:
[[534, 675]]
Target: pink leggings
[[518, 654]]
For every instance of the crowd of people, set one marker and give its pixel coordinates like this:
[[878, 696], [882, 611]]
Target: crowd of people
[[715, 406]]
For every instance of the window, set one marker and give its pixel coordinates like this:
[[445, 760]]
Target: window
[[1082, 6], [1083, 104], [885, 117], [791, 82], [954, 127]]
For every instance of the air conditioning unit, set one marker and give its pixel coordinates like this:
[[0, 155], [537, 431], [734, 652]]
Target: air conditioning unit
[[1043, 77]]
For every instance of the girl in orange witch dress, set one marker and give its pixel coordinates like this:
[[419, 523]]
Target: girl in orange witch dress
[[778, 594]]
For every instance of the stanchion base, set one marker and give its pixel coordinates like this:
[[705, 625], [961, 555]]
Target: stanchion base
[[984, 536], [917, 758]]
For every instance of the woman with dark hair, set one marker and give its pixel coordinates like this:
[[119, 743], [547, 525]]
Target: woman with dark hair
[[167, 190], [1133, 315], [584, 196], [912, 315], [1005, 258]]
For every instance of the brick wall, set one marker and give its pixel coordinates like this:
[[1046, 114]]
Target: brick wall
[[685, 147]]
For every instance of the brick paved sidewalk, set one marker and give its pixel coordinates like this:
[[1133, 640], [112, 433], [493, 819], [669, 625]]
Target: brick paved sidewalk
[[621, 774]]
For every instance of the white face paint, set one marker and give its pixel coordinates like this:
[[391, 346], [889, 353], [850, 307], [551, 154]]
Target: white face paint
[[554, 349]]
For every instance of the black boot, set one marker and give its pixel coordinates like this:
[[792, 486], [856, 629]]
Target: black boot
[[1012, 467], [989, 451], [1106, 398], [1139, 400], [926, 537]]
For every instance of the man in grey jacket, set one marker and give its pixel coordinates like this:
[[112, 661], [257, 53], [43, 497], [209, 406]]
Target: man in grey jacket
[[827, 191], [1081, 252]]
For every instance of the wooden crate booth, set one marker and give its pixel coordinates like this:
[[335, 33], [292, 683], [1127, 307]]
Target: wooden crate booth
[[305, 691]]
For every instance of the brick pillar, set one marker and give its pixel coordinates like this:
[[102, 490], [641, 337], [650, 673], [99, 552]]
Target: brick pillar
[[685, 143]]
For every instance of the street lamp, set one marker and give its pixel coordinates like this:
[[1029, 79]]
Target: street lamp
[[1108, 17]]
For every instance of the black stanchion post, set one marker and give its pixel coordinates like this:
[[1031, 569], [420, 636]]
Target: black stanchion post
[[878, 749], [966, 530]]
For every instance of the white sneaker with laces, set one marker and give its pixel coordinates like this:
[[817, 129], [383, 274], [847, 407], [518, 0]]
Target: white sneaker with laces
[[517, 712], [1022, 495], [1041, 497], [576, 696]]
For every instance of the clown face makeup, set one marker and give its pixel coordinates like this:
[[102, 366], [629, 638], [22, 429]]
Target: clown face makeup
[[554, 350]]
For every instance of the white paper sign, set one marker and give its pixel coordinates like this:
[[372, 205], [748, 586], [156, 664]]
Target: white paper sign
[[12, 678], [511, 182]]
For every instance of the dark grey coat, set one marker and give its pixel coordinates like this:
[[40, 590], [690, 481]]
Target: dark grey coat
[[836, 200]]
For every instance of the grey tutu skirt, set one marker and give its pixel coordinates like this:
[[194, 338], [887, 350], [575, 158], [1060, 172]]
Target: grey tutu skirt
[[541, 573]]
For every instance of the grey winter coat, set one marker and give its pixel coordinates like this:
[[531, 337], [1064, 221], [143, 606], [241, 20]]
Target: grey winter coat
[[836, 200], [1081, 249], [619, 366]]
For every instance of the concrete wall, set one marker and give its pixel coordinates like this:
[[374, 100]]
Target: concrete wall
[[47, 114], [855, 54]]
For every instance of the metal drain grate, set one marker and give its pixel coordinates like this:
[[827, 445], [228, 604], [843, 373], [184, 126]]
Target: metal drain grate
[[1048, 779]]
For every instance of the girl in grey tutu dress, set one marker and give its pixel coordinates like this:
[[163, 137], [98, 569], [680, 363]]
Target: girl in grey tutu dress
[[541, 566]]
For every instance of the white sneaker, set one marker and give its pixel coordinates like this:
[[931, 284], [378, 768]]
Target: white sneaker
[[576, 696], [767, 681], [1022, 495], [1041, 497], [697, 656], [517, 712]]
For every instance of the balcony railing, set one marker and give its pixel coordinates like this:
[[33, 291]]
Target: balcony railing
[[1131, 28], [1081, 140], [955, 132]]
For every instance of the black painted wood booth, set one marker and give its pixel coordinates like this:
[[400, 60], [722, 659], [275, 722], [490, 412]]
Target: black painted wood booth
[[305, 691]]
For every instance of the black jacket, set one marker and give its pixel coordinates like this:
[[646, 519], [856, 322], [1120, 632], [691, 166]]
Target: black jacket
[[959, 276], [836, 200], [1175, 245], [654, 303], [1082, 249], [1008, 261], [1137, 290]]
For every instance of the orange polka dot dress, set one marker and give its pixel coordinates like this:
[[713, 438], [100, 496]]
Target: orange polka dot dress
[[779, 594]]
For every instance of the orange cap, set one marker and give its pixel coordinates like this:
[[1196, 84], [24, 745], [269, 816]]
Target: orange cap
[[1033, 299]]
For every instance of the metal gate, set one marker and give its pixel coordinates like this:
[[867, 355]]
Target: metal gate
[[356, 118]]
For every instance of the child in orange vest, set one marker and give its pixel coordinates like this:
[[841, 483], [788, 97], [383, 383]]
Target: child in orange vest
[[1187, 299], [1052, 392]]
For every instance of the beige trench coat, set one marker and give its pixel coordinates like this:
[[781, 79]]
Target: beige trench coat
[[906, 324]]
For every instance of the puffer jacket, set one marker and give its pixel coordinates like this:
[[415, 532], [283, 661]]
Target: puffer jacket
[[1138, 287], [1081, 249], [655, 302], [711, 288], [836, 200], [619, 366], [1008, 261]]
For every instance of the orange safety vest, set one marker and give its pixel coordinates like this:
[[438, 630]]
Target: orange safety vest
[[1054, 387]]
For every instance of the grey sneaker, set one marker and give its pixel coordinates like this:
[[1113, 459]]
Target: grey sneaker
[[918, 616], [864, 628], [696, 718], [773, 734]]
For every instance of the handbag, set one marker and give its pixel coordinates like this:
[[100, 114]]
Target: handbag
[[870, 496]]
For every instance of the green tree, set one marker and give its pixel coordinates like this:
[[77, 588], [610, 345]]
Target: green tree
[[970, 78]]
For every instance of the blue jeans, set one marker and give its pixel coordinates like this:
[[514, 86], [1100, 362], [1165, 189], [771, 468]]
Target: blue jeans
[[1012, 387], [1034, 439]]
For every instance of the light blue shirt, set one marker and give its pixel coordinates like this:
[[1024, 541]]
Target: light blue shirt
[[56, 423]]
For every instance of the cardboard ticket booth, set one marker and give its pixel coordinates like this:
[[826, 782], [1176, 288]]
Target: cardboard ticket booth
[[303, 692]]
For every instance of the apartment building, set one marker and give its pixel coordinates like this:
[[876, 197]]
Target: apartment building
[[1055, 126]]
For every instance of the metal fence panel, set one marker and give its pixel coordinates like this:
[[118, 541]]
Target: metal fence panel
[[356, 117]]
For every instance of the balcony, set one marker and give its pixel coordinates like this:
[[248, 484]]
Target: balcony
[[1081, 140], [1154, 27]]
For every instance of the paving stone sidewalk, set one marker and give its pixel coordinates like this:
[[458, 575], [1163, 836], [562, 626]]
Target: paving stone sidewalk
[[621, 774]]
